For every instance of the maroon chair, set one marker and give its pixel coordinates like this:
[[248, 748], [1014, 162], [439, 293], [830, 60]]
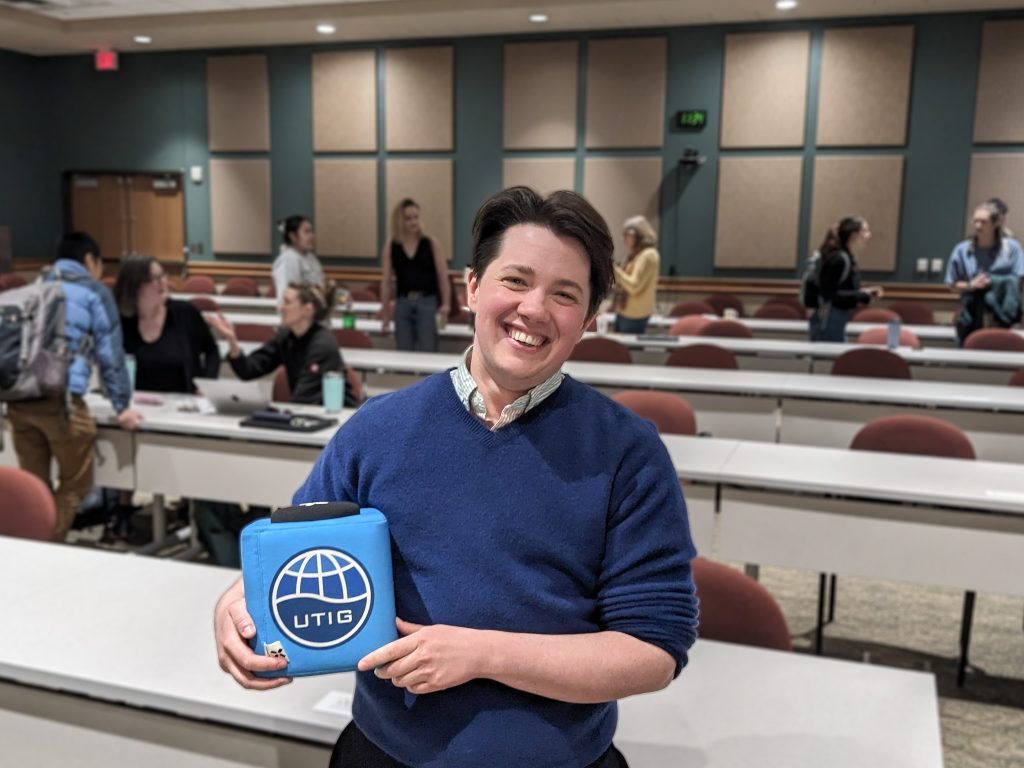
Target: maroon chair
[[873, 363], [205, 304], [354, 383], [684, 308], [358, 294], [271, 290], [788, 301], [199, 284], [723, 301], [241, 286], [995, 340], [670, 413], [254, 332], [1017, 380], [689, 325], [875, 315], [735, 608], [913, 312], [597, 349], [880, 335], [30, 511], [350, 337], [373, 288], [703, 356], [11, 280], [779, 311], [730, 329], [282, 391]]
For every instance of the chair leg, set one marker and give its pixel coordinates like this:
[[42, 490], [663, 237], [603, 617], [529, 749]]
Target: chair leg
[[832, 598], [965, 638], [819, 628]]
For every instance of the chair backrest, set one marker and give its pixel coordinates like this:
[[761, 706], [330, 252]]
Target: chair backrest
[[11, 280], [1017, 380], [670, 413], [703, 356], [689, 325], [723, 301], [789, 301], [875, 315], [199, 284], [241, 286], [779, 311], [354, 383], [880, 335], [271, 290], [373, 288], [995, 339], [359, 294], [352, 338], [282, 392], [684, 308], [922, 435], [735, 608], [726, 329], [874, 363], [254, 332], [914, 312], [205, 304], [596, 349], [30, 511]]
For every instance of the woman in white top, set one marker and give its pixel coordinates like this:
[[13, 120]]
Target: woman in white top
[[296, 263]]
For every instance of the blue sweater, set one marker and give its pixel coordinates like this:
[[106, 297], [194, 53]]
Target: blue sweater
[[568, 520]]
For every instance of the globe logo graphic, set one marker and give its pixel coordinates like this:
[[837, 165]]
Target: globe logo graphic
[[321, 598]]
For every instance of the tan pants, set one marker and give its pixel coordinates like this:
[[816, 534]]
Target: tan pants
[[47, 429]]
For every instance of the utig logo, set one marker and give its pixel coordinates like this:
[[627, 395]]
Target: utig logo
[[321, 598]]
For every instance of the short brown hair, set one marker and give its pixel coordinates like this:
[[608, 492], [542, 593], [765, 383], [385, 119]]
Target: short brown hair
[[322, 298], [565, 213]]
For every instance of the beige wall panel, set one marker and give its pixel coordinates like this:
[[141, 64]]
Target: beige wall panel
[[345, 101], [429, 183], [540, 95], [998, 175], [764, 89], [620, 187], [544, 174], [866, 186], [419, 96], [346, 207], [758, 212], [999, 115], [238, 103], [626, 92], [240, 206], [865, 86]]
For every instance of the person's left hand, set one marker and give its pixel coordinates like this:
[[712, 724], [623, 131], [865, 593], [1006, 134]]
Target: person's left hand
[[426, 659]]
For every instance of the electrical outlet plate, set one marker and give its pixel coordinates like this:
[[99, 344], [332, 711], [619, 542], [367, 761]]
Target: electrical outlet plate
[[922, 266], [937, 266]]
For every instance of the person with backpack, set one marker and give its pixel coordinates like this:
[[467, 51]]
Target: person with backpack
[[838, 280], [56, 423]]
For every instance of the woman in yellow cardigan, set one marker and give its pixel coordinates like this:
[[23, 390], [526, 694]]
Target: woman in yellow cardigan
[[637, 281]]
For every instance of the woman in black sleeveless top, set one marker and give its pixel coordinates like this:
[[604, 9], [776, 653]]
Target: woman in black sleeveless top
[[421, 280]]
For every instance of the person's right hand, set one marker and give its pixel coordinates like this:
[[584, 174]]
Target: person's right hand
[[876, 291], [980, 282], [222, 325], [385, 326], [232, 628]]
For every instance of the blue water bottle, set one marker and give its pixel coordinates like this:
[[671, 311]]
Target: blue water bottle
[[892, 336]]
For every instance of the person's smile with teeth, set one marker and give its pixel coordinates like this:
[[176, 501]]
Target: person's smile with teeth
[[525, 338]]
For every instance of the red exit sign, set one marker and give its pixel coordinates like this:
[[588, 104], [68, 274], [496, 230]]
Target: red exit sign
[[106, 61]]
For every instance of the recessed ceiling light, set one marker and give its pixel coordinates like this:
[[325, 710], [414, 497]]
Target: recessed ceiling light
[[325, 29], [538, 18], [785, 5], [143, 39]]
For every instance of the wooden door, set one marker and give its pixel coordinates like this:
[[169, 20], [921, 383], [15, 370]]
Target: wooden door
[[156, 206], [99, 207]]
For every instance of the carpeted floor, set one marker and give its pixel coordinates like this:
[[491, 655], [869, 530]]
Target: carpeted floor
[[912, 627]]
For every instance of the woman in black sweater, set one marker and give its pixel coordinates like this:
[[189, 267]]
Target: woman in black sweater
[[303, 345], [841, 291], [169, 339]]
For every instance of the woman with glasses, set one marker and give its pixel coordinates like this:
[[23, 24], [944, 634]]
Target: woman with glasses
[[171, 342]]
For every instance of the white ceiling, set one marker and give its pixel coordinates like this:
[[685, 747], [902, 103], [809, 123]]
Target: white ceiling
[[47, 27]]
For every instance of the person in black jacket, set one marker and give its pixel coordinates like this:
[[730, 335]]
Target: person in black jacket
[[169, 339], [303, 344], [839, 282]]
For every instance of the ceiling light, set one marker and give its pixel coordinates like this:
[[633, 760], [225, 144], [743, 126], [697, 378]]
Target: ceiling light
[[785, 5], [538, 18], [143, 39], [325, 29]]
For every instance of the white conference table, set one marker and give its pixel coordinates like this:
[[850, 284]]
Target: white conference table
[[773, 406], [136, 631], [265, 305]]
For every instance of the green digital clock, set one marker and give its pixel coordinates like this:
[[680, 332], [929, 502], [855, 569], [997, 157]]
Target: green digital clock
[[692, 119]]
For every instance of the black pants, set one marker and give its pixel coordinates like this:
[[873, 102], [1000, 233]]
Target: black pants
[[354, 750]]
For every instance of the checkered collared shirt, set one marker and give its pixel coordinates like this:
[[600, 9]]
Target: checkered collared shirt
[[469, 394]]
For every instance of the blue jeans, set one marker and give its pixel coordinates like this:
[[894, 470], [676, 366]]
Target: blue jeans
[[416, 324], [630, 325], [829, 324]]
